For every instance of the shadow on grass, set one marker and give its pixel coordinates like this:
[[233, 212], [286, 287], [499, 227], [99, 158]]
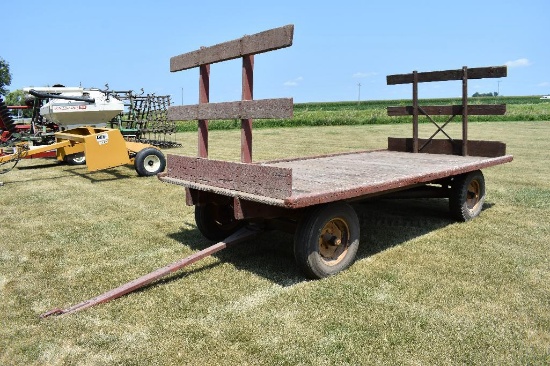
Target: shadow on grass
[[29, 178], [269, 255], [384, 224], [387, 223], [104, 175], [50, 164]]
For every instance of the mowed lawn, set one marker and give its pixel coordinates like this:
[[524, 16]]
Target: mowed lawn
[[425, 290]]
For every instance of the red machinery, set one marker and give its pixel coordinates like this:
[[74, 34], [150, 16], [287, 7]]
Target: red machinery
[[10, 129]]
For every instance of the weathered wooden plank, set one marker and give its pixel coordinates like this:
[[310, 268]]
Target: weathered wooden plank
[[473, 73], [489, 149], [473, 110], [268, 181], [336, 177], [244, 109], [367, 174], [269, 40]]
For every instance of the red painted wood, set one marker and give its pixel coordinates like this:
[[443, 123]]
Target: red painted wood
[[204, 97]]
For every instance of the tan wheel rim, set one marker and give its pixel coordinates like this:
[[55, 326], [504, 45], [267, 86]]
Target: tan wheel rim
[[473, 195], [334, 241]]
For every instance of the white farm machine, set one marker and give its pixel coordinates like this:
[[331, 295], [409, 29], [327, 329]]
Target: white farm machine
[[70, 123], [68, 107]]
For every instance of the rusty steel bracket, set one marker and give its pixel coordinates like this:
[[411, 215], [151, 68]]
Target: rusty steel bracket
[[239, 236]]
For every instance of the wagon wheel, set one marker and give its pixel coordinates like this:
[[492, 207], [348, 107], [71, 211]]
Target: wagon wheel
[[149, 161], [467, 195], [326, 240], [216, 222], [75, 159]]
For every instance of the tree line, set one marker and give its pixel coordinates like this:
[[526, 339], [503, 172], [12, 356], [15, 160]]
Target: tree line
[[477, 94]]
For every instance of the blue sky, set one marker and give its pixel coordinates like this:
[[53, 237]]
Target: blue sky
[[337, 45]]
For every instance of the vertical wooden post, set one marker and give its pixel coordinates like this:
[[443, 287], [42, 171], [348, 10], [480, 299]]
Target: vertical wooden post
[[464, 111], [246, 124], [204, 97], [415, 112]]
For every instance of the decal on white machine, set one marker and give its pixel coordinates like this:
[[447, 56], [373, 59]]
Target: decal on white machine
[[68, 107], [102, 138]]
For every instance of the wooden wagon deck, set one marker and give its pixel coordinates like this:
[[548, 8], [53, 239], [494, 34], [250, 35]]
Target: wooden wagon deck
[[302, 182]]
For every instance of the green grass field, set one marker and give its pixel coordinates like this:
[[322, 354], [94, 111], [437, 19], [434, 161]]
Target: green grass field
[[527, 108], [424, 290]]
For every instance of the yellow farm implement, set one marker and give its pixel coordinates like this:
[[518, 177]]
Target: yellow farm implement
[[98, 148]]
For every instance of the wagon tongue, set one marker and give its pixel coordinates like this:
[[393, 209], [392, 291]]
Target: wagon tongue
[[237, 237]]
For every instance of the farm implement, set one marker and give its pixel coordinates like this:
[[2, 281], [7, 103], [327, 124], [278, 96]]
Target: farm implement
[[312, 196], [145, 119], [99, 148], [66, 125]]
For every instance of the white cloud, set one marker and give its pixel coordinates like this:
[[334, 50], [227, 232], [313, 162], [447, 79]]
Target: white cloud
[[520, 62], [361, 75], [293, 82], [544, 84]]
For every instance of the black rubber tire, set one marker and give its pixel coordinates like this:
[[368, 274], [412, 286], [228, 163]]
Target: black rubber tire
[[149, 161], [75, 159], [216, 222], [467, 195], [312, 248]]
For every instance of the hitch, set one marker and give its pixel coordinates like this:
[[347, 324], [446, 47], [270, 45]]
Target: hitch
[[239, 236]]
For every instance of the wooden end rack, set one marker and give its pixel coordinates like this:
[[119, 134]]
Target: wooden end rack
[[453, 110], [247, 109]]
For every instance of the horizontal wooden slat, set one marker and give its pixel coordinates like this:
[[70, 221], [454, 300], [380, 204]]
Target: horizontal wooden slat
[[489, 149], [269, 40], [448, 110], [473, 73], [244, 109], [254, 179]]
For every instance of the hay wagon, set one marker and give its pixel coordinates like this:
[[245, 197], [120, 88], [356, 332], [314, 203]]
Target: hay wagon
[[312, 196]]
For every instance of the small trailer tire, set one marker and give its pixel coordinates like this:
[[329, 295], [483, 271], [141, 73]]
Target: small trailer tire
[[467, 195], [216, 222], [326, 240], [149, 161], [75, 159]]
